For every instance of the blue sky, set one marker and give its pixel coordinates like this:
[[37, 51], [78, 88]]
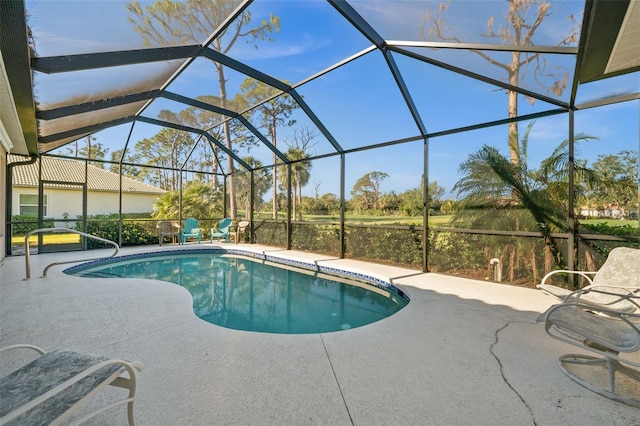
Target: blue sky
[[358, 103]]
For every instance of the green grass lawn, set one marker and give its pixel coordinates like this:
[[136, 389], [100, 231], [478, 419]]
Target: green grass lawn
[[611, 222], [436, 221], [47, 239]]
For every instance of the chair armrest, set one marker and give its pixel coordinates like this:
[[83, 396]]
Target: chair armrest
[[24, 346], [109, 375], [630, 295], [586, 274], [633, 319]]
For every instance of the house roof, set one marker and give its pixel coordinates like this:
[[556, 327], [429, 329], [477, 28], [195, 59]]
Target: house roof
[[58, 171]]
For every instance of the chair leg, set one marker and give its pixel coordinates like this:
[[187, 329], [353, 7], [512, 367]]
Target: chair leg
[[132, 421], [611, 365]]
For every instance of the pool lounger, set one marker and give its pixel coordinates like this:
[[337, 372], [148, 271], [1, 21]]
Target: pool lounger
[[55, 385]]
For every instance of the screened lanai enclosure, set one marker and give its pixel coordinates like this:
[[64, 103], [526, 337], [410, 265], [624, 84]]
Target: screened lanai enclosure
[[490, 139]]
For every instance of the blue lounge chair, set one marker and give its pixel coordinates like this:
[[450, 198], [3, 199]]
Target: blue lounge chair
[[190, 230], [221, 233]]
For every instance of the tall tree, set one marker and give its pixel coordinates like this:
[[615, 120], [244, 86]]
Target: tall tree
[[167, 22], [522, 19], [300, 174], [261, 183], [163, 151], [210, 122], [129, 171], [366, 190], [91, 150], [411, 201], [270, 114], [389, 202], [618, 186], [303, 141]]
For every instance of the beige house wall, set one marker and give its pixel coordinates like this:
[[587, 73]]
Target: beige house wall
[[69, 201], [3, 200]]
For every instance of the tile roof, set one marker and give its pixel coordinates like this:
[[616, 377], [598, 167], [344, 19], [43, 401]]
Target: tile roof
[[63, 170]]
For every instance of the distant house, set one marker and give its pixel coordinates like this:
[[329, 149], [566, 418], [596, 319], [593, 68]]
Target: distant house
[[609, 211], [63, 188]]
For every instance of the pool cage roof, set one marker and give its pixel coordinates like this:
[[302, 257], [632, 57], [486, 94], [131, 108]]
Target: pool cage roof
[[76, 68]]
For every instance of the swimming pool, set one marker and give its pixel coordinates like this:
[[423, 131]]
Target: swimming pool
[[257, 292]]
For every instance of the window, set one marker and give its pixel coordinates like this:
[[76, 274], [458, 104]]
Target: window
[[29, 205]]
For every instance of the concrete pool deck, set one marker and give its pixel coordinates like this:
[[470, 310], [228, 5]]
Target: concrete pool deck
[[463, 352]]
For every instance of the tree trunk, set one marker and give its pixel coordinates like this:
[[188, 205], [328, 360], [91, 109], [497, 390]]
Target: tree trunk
[[534, 266], [299, 200], [275, 172], [514, 148], [233, 209], [214, 164], [548, 256]]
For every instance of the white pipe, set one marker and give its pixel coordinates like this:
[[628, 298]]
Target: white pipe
[[497, 269]]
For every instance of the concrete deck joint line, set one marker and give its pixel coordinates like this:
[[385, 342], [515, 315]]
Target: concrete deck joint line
[[504, 377], [346, 407]]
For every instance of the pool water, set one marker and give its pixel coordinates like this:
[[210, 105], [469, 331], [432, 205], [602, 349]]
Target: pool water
[[243, 293]]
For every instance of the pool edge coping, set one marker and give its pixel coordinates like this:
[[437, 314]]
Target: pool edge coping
[[310, 266]]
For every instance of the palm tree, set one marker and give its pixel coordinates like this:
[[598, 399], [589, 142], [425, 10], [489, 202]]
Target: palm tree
[[501, 195], [261, 183], [300, 174], [199, 200]]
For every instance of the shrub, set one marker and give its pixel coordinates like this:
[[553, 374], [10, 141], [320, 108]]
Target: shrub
[[134, 233], [24, 228], [398, 246]]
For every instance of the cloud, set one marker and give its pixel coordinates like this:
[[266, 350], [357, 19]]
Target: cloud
[[550, 130], [279, 49], [50, 44]]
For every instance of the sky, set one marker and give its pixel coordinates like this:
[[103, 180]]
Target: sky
[[359, 103]]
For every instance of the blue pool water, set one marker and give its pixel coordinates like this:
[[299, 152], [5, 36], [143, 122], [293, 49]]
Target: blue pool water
[[257, 294]]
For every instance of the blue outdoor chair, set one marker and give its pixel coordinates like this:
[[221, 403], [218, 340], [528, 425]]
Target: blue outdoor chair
[[221, 233], [190, 230]]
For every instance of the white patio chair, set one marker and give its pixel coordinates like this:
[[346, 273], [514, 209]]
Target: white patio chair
[[620, 274], [168, 228], [612, 334], [241, 228], [51, 388]]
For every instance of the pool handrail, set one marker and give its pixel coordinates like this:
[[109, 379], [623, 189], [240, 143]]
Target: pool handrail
[[27, 254]]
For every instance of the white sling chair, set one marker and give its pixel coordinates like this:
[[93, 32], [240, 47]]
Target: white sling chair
[[48, 390], [620, 274], [614, 336], [603, 318]]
